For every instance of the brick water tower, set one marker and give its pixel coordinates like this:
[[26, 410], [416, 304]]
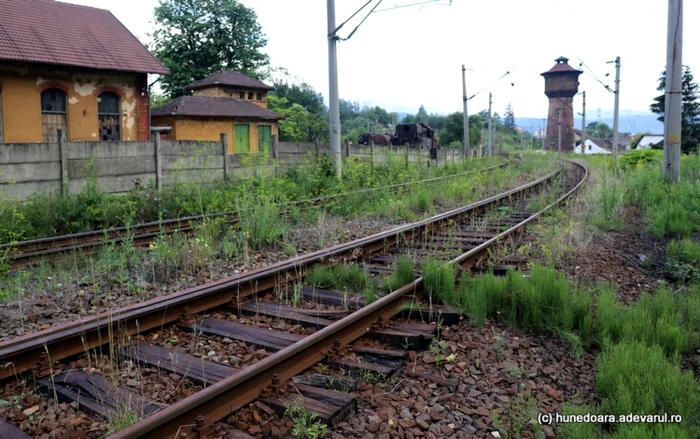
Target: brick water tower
[[560, 86]]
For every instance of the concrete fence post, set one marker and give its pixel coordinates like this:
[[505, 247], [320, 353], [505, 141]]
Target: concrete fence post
[[275, 152], [63, 157], [159, 161], [223, 141], [371, 151], [407, 154], [347, 148]]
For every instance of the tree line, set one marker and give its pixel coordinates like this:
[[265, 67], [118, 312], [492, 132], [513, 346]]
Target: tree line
[[194, 38]]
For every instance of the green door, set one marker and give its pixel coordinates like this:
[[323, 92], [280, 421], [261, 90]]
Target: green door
[[242, 143], [264, 139]]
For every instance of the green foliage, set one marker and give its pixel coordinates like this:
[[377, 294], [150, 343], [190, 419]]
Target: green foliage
[[655, 321], [306, 424], [639, 157], [260, 222], [339, 277], [194, 38], [544, 302], [599, 130], [403, 274], [636, 378], [683, 260], [690, 113], [302, 94], [438, 281], [453, 131], [299, 124]]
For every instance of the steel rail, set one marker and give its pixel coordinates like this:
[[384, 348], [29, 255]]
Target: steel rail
[[223, 398], [22, 353], [25, 252]]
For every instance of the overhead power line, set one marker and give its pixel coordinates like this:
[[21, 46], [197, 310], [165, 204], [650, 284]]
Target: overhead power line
[[412, 4]]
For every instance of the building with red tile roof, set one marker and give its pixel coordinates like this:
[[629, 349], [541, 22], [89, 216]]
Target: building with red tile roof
[[71, 68], [224, 102]]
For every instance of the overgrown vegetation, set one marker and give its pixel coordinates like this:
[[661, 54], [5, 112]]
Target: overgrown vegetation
[[93, 209], [306, 424]]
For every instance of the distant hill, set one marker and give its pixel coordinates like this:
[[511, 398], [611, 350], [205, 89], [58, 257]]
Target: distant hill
[[634, 122]]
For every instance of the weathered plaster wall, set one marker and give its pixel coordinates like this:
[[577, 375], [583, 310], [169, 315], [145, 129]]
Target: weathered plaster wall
[[22, 87]]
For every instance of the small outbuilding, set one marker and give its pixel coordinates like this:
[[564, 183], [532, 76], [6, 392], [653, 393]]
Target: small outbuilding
[[225, 102]]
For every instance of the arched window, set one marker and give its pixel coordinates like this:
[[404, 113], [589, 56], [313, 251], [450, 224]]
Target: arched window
[[53, 114], [109, 115]]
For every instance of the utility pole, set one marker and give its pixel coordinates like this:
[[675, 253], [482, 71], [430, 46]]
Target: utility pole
[[673, 98], [544, 132], [559, 139], [583, 126], [616, 120], [489, 151], [333, 99], [465, 115]]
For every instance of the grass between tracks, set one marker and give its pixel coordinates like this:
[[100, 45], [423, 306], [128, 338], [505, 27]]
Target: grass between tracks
[[642, 347], [261, 223]]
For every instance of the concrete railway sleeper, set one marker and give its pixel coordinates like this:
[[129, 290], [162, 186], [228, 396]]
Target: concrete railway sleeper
[[281, 323]]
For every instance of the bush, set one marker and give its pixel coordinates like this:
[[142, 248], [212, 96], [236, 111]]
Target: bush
[[642, 157]]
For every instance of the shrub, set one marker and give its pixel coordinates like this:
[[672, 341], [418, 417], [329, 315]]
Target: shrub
[[642, 157]]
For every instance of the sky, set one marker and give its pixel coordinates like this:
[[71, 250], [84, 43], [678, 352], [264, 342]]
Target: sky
[[403, 58]]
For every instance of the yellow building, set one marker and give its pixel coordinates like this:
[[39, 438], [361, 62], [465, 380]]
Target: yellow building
[[225, 102], [71, 68]]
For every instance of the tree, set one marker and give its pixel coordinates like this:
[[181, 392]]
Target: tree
[[452, 134], [509, 120], [299, 125], [194, 38], [302, 94], [599, 130], [690, 117], [422, 115]]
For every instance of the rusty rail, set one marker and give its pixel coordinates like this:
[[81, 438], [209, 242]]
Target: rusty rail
[[223, 398], [28, 252]]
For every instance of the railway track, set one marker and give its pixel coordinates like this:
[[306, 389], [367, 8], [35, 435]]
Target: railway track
[[141, 235], [287, 323]]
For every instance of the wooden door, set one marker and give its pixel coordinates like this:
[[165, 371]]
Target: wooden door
[[264, 139], [242, 141]]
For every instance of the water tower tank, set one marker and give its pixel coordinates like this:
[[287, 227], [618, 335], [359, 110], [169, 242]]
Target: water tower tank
[[561, 81]]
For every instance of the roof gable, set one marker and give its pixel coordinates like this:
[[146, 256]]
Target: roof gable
[[51, 32], [228, 78]]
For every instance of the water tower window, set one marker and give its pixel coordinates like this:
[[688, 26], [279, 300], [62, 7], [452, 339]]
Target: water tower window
[[250, 95]]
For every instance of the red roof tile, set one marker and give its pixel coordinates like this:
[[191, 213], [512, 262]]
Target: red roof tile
[[51, 32], [203, 106], [228, 78]]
